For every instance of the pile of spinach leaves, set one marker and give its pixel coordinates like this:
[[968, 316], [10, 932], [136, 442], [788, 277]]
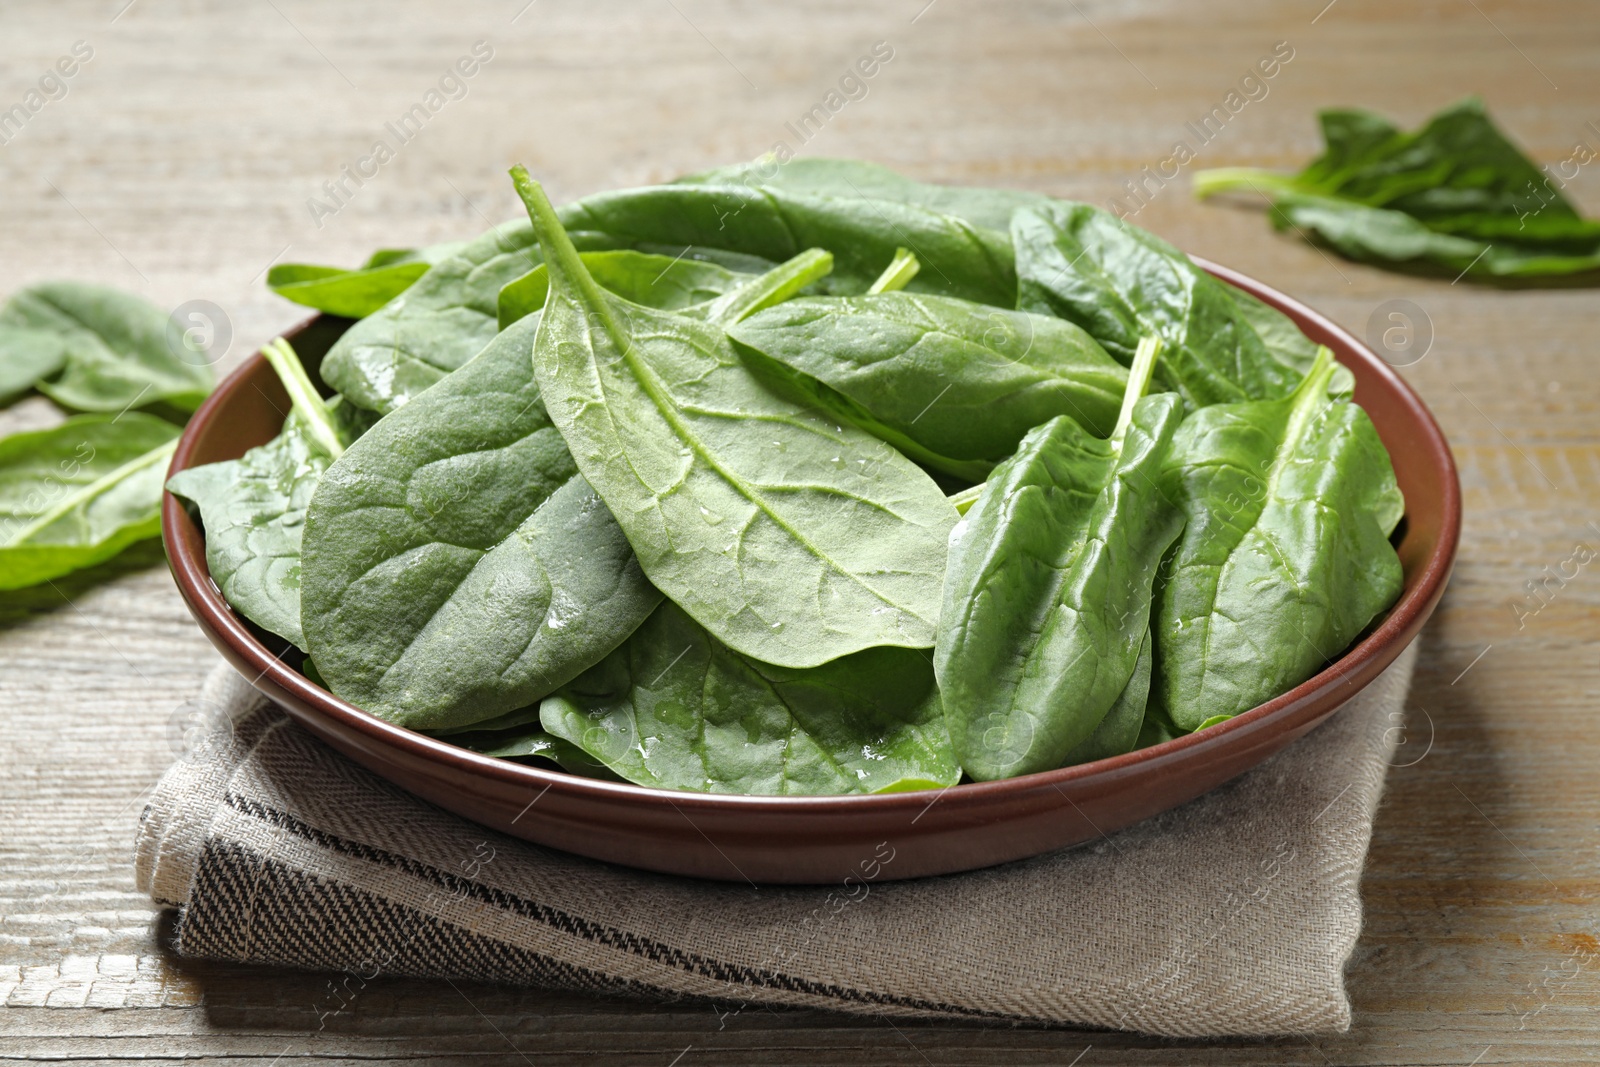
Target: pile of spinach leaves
[[1456, 194], [817, 482], [78, 493]]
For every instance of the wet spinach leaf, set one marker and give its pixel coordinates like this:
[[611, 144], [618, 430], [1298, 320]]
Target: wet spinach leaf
[[1047, 598], [1285, 555], [79, 493], [456, 566], [93, 348], [675, 708], [747, 509], [1455, 193], [952, 384], [1121, 283]]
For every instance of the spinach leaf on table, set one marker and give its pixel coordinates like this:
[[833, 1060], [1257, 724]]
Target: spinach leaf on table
[[28, 355], [456, 565], [253, 508], [675, 708], [93, 348], [79, 493], [1379, 235], [791, 538], [1121, 284], [1047, 597], [666, 282], [356, 293], [952, 384], [1455, 193], [1285, 556]]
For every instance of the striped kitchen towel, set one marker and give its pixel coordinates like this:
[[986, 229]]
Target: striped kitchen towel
[[1234, 914]]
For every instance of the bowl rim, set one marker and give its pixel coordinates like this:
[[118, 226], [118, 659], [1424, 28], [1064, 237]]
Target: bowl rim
[[1416, 602]]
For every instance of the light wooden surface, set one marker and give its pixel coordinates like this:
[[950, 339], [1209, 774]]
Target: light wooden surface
[[179, 163]]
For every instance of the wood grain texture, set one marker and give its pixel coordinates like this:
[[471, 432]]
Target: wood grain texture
[[179, 164]]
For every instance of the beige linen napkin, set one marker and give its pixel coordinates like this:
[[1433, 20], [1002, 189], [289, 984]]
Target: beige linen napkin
[[1234, 914]]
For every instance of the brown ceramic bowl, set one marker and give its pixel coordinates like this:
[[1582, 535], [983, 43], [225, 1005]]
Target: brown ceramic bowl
[[824, 839]]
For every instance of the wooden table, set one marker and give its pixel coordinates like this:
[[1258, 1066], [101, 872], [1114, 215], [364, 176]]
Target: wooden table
[[179, 165]]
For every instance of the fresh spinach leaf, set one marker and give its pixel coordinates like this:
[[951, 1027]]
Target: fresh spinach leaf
[[1285, 555], [456, 566], [675, 708], [952, 384], [444, 319], [357, 293], [526, 742], [253, 512], [451, 312], [744, 507], [1123, 725], [1121, 283], [253, 508], [1379, 235], [665, 282], [104, 350], [957, 257], [853, 179], [1285, 341], [1157, 728], [1455, 193], [519, 744], [26, 356], [79, 493], [1047, 597]]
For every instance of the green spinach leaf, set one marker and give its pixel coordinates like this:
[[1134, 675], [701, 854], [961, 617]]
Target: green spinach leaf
[[253, 508], [517, 735], [78, 494], [26, 356], [1121, 283], [665, 282], [1285, 555], [444, 319], [745, 508], [675, 708], [105, 350], [952, 384], [253, 512], [1123, 725], [1047, 597], [1455, 193], [451, 312], [957, 257], [853, 179], [357, 293], [456, 566]]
